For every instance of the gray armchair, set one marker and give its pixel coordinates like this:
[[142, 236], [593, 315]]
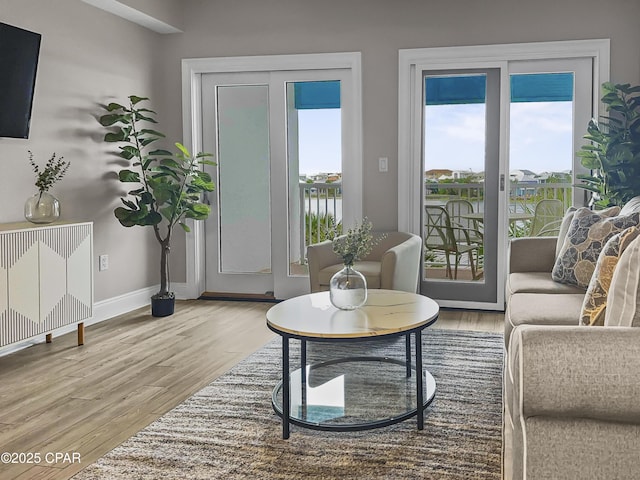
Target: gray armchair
[[393, 264]]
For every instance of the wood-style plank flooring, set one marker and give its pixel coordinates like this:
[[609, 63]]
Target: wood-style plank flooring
[[61, 398]]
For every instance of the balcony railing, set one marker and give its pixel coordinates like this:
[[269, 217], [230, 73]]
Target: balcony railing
[[522, 196], [321, 203], [321, 209]]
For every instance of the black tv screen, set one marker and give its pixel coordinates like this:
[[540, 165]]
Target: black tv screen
[[19, 50]]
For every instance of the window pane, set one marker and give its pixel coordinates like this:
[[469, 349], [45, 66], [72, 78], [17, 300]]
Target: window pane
[[243, 162]]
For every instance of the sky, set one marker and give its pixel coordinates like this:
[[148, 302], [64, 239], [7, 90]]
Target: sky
[[319, 140], [541, 137]]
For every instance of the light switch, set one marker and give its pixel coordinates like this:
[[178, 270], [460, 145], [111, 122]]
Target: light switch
[[383, 164]]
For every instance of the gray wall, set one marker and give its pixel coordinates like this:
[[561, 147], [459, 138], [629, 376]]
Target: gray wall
[[87, 57], [378, 28], [90, 56]]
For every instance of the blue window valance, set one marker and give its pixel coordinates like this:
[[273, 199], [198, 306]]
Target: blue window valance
[[317, 95], [538, 87]]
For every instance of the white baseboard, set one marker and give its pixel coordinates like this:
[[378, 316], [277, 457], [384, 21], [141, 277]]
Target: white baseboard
[[103, 310]]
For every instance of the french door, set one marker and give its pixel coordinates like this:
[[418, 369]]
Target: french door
[[488, 139], [277, 136]]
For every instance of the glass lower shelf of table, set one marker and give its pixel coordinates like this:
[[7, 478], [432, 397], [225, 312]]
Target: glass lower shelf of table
[[355, 393]]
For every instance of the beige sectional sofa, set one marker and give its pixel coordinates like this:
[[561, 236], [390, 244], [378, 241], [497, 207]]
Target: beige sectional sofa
[[571, 393]]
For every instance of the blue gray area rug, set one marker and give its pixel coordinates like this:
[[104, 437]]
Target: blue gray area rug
[[228, 430]]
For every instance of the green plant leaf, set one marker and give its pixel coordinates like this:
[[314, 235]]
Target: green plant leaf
[[152, 132], [146, 198], [147, 140], [169, 162], [129, 204], [114, 106], [184, 227], [111, 119], [146, 118], [128, 176], [119, 136], [160, 152], [135, 100], [183, 149], [128, 152], [153, 218], [124, 216]]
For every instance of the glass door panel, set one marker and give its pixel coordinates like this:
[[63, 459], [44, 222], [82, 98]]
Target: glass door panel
[[461, 168], [548, 114], [309, 188], [236, 128], [314, 154], [453, 179], [243, 178], [279, 140]]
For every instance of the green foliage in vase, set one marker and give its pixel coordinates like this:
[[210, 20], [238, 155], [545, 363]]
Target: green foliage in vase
[[355, 244], [613, 154], [53, 171], [167, 187]]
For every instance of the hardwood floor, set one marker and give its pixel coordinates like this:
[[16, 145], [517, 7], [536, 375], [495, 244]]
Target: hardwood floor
[[61, 398]]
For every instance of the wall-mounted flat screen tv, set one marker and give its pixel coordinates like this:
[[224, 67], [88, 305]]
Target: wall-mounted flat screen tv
[[19, 50]]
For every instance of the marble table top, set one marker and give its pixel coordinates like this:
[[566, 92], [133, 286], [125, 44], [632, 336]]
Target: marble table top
[[386, 312]]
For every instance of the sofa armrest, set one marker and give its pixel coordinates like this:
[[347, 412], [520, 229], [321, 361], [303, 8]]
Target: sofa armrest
[[400, 266], [319, 256], [532, 254], [576, 372]]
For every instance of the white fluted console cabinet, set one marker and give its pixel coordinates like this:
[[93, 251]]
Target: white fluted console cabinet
[[46, 279]]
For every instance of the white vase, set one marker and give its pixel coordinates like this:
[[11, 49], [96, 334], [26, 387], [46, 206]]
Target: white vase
[[42, 208], [348, 289]]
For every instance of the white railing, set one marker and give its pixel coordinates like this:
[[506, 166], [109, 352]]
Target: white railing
[[321, 201], [522, 196], [321, 204]]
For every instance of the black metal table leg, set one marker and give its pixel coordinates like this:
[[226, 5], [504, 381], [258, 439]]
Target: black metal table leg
[[419, 388], [303, 376], [407, 339], [286, 398], [303, 361]]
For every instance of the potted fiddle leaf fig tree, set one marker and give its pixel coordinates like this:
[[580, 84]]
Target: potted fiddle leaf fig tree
[[613, 154], [166, 187]]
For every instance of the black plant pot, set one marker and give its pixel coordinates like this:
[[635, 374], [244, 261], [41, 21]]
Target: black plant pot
[[163, 306]]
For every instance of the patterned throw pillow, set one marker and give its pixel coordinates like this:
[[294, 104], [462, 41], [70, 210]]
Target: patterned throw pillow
[[564, 228], [566, 223], [624, 293], [595, 300], [588, 233]]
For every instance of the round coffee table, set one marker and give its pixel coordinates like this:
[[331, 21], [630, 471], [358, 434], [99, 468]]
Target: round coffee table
[[354, 383]]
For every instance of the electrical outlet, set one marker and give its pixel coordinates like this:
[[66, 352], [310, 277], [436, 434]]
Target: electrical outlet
[[103, 262]]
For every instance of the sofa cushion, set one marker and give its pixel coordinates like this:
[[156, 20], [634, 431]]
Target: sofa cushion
[[631, 206], [595, 300], [370, 270], [624, 293], [542, 309], [537, 282], [588, 233], [564, 228]]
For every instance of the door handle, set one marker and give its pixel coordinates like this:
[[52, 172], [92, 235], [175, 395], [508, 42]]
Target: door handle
[[502, 182]]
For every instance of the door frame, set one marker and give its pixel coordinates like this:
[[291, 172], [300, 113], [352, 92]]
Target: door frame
[[194, 68], [412, 62]]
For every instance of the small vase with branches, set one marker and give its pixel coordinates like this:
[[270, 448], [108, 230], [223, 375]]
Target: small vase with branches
[[44, 207]]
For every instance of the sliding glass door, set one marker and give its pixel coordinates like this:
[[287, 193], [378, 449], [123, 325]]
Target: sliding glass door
[[487, 142], [279, 140], [461, 141]]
